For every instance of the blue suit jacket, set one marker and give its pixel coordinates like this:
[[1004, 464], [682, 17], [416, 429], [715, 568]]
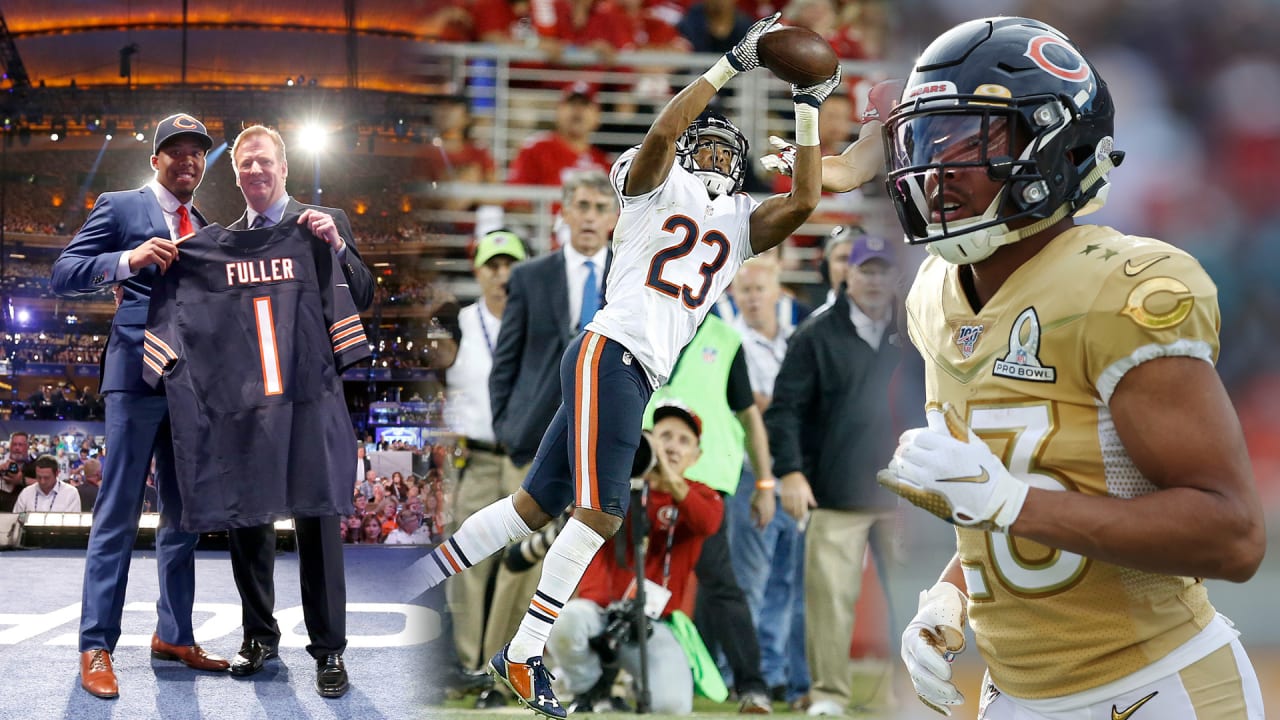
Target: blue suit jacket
[[524, 383], [119, 221]]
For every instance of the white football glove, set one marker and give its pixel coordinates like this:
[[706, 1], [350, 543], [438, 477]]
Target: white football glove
[[783, 161], [932, 639], [745, 55], [817, 93], [947, 470]]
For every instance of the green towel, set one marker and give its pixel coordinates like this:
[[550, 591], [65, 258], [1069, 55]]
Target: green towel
[[706, 676]]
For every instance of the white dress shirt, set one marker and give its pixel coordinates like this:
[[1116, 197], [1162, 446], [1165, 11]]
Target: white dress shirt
[[576, 269], [869, 330], [467, 388], [169, 206], [272, 213], [62, 498], [764, 356]]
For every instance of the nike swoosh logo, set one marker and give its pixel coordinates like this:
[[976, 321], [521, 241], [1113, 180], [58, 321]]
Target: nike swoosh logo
[[980, 478], [1130, 269], [1124, 714]]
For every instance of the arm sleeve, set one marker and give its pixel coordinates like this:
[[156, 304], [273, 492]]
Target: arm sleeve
[[346, 332], [738, 390], [701, 510], [509, 348], [90, 261], [353, 268], [793, 392], [1170, 312], [161, 343]]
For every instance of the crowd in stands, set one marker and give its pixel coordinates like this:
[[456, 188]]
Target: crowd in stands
[[853, 27], [400, 510]]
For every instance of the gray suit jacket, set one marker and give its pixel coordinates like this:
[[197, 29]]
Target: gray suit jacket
[[524, 384]]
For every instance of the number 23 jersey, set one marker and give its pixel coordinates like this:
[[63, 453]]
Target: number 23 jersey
[[1033, 373], [675, 250], [250, 331]]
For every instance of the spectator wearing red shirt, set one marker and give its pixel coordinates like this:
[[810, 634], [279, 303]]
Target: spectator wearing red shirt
[[452, 155], [634, 25], [682, 514], [547, 157]]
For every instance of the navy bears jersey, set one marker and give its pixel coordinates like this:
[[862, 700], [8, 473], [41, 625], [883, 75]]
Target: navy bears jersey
[[249, 332]]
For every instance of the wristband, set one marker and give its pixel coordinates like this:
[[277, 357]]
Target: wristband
[[806, 125], [766, 484], [720, 73]]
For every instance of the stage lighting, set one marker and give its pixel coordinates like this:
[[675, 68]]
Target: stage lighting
[[313, 137], [55, 137], [24, 316], [109, 137], [139, 136]]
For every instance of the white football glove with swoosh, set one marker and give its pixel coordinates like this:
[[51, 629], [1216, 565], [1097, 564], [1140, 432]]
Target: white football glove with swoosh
[[930, 642], [948, 470]]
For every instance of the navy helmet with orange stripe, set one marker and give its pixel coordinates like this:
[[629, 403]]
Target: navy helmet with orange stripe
[[1010, 97]]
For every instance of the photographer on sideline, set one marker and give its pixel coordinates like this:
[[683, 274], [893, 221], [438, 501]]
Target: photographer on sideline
[[593, 631], [12, 481]]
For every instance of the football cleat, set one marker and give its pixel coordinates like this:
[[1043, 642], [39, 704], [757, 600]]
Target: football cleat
[[529, 681]]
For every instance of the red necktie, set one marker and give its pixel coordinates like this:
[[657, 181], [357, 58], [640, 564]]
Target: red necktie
[[184, 222]]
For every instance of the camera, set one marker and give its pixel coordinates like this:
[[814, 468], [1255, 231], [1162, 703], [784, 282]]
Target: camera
[[619, 627], [14, 468], [521, 556]]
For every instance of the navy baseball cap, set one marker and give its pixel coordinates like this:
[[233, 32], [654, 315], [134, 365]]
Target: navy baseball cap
[[177, 125], [674, 408], [870, 247]]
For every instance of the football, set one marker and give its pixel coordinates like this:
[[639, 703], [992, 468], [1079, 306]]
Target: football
[[798, 55]]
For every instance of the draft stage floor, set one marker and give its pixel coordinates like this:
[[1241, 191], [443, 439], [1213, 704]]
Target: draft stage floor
[[39, 617]]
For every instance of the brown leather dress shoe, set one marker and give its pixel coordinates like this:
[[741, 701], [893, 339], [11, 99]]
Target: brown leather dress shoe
[[96, 674], [193, 656]]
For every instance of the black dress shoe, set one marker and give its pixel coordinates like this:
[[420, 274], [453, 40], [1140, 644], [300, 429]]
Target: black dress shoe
[[491, 698], [251, 657], [331, 676], [465, 682]]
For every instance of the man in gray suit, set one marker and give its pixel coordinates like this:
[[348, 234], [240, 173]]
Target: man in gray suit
[[549, 300]]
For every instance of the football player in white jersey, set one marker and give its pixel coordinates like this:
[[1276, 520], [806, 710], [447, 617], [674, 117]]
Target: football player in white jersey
[[1079, 437], [683, 232]]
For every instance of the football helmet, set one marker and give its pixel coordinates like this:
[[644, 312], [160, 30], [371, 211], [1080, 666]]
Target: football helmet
[[1010, 97], [714, 131]]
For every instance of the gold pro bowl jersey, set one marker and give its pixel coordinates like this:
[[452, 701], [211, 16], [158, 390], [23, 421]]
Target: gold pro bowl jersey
[[675, 250], [1033, 373]]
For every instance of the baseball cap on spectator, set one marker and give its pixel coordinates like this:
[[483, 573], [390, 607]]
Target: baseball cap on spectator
[[870, 247], [580, 89], [676, 409], [498, 242], [177, 125]]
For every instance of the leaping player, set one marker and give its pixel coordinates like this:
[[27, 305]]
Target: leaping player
[[684, 231]]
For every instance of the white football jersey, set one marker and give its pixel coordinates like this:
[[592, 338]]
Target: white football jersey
[[675, 251]]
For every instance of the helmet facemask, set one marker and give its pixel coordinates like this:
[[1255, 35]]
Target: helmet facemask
[[720, 146], [930, 147]]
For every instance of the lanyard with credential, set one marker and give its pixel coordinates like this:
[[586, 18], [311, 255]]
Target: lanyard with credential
[[488, 341]]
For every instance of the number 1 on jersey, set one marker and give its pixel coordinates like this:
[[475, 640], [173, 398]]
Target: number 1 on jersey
[[267, 349]]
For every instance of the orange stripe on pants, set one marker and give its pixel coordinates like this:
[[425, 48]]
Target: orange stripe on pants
[[586, 401]]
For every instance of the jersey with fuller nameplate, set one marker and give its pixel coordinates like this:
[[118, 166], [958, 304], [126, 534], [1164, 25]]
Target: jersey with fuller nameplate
[[249, 332], [675, 250], [1033, 373]]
